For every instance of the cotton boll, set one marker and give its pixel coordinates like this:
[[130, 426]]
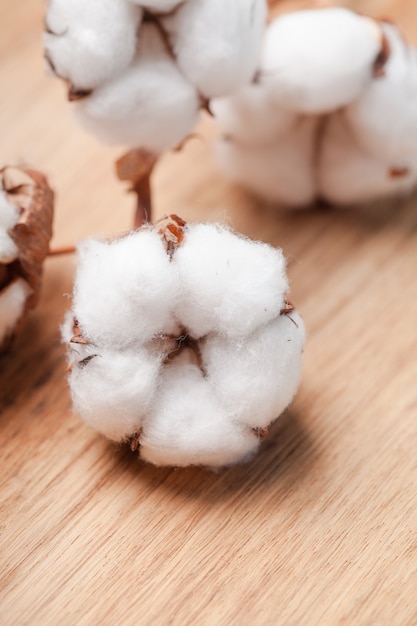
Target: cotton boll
[[12, 305], [384, 118], [125, 291], [252, 117], [282, 171], [88, 42], [255, 378], [112, 390], [9, 215], [230, 285], [188, 426], [347, 174], [217, 42], [315, 61], [149, 105], [184, 349]]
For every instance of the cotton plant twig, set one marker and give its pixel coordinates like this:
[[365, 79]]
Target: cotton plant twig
[[62, 250]]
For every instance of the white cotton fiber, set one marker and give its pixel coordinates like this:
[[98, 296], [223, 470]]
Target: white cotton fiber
[[252, 117], [317, 60], [125, 291], [149, 105], [114, 389], [9, 215], [347, 174], [188, 426], [281, 171], [87, 42], [12, 305], [184, 350], [384, 117], [217, 42], [256, 378], [230, 285]]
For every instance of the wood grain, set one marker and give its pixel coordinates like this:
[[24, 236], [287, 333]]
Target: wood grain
[[321, 527]]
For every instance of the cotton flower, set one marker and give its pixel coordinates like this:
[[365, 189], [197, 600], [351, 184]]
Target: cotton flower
[[26, 207], [332, 114], [180, 340]]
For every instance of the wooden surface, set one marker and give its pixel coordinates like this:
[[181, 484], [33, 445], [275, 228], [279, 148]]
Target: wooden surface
[[321, 527]]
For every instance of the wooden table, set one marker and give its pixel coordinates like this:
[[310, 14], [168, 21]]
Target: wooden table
[[321, 527]]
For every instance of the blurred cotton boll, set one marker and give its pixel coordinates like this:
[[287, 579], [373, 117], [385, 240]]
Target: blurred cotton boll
[[332, 114], [141, 71]]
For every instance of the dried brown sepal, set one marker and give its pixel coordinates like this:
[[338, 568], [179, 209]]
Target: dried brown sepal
[[381, 60], [287, 308], [134, 442], [151, 17], [29, 191], [136, 166], [79, 339], [168, 345], [86, 361], [205, 105], [75, 94], [261, 432], [257, 77], [172, 232], [192, 347], [184, 142], [398, 172], [77, 336]]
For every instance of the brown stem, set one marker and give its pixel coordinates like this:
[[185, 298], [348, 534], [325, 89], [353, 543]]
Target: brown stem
[[143, 213], [136, 166], [61, 250]]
